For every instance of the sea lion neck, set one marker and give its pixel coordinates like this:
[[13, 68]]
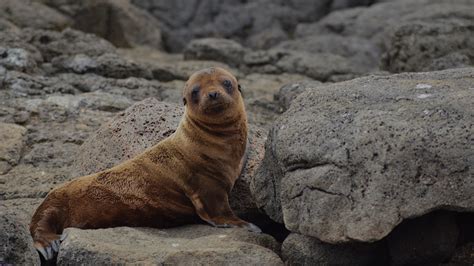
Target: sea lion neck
[[231, 127]]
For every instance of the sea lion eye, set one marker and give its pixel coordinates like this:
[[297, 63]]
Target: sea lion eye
[[195, 93], [227, 85]]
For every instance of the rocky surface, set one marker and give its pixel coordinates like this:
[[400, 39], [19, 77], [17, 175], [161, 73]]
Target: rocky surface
[[258, 24], [426, 46], [349, 161], [69, 68], [195, 244], [117, 21]]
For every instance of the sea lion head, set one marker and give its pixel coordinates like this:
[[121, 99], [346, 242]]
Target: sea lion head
[[212, 95]]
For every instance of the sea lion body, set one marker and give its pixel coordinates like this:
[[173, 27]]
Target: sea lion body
[[184, 177]]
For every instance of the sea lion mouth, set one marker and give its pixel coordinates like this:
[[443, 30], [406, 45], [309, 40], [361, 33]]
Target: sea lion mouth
[[215, 108]]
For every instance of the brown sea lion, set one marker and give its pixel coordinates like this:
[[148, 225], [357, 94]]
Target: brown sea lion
[[186, 176]]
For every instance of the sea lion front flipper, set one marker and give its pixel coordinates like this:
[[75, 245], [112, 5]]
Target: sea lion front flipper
[[217, 212]]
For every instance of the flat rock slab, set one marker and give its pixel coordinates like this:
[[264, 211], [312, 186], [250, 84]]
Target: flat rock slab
[[350, 161], [195, 244]]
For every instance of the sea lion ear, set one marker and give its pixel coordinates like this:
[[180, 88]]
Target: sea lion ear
[[184, 101], [240, 88]]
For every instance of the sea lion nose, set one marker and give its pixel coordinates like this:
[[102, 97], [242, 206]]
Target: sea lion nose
[[213, 95]]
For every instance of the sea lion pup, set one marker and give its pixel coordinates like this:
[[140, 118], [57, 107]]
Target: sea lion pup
[[185, 176]]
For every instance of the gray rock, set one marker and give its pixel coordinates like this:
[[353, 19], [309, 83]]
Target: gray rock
[[15, 40], [319, 66], [137, 128], [6, 25], [258, 24], [364, 34], [427, 240], [108, 65], [16, 244], [241, 200], [222, 50], [416, 47], [195, 244], [372, 22], [17, 59], [29, 181], [117, 21], [32, 14], [259, 89], [323, 67], [68, 42], [92, 100], [11, 146], [289, 92], [304, 250], [350, 161], [361, 52]]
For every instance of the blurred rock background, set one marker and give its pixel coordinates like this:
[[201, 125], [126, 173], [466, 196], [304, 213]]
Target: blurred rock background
[[352, 161]]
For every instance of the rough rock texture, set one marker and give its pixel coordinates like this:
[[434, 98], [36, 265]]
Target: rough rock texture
[[117, 21], [16, 244], [144, 125], [139, 127], [361, 52], [258, 24], [428, 240], [221, 50], [430, 46], [363, 34], [195, 244], [11, 146], [107, 65], [350, 161], [304, 250], [289, 92], [29, 13], [319, 66], [68, 42]]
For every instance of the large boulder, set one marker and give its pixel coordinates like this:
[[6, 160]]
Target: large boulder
[[68, 42], [222, 50], [350, 161], [318, 66], [430, 46], [360, 51], [289, 92], [117, 21], [32, 14], [194, 245], [258, 24], [145, 124], [107, 65], [363, 34]]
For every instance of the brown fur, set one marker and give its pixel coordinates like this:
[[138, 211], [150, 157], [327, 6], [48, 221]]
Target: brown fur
[[185, 176]]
